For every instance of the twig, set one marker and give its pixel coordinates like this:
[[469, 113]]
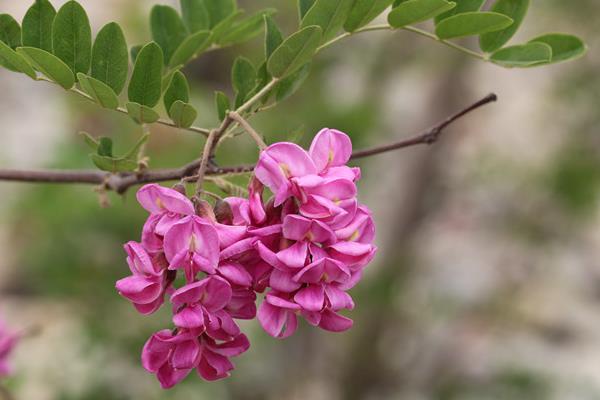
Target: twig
[[430, 136], [121, 182], [204, 161], [248, 128]]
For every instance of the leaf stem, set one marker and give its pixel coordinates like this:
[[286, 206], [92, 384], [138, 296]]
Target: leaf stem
[[248, 128], [162, 121], [409, 28]]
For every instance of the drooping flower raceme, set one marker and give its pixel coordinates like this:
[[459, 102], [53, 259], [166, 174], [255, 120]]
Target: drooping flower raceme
[[304, 249]]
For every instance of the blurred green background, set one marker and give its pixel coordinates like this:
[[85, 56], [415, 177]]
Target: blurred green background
[[487, 282]]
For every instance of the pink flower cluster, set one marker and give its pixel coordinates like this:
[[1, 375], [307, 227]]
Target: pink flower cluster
[[305, 247], [8, 341]]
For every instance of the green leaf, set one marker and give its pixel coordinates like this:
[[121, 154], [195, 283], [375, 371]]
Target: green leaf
[[15, 62], [363, 12], [330, 15], [178, 89], [514, 9], [90, 141], [111, 164], [99, 91], [462, 6], [49, 65], [304, 6], [243, 79], [218, 10], [273, 36], [413, 11], [291, 84], [134, 51], [223, 105], [247, 28], [104, 159], [168, 30], [564, 47], [10, 31], [183, 114], [105, 146], [195, 15], [522, 55], [145, 84], [294, 52], [223, 27], [190, 48], [72, 37], [141, 114], [471, 23], [110, 61], [37, 25]]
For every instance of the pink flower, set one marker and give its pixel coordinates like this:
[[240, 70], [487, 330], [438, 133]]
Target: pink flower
[[277, 315], [200, 305], [279, 164], [193, 245], [8, 342], [147, 286], [172, 356], [166, 207], [330, 148]]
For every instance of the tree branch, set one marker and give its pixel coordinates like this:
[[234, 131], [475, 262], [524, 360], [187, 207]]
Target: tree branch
[[123, 181], [428, 137]]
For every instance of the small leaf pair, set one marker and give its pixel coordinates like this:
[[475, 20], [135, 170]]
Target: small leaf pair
[[103, 156]]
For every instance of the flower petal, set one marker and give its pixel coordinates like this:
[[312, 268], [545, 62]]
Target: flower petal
[[157, 200], [330, 148]]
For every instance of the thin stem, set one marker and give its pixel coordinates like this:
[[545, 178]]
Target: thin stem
[[244, 107], [204, 161], [408, 28], [248, 128], [161, 121], [455, 46], [428, 137]]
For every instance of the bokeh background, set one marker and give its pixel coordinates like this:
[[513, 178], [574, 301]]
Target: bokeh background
[[487, 282]]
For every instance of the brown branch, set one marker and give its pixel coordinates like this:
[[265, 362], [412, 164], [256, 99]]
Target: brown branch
[[429, 137], [123, 181]]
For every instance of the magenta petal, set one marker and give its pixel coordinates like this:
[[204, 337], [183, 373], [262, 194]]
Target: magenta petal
[[240, 209], [294, 256], [296, 227], [214, 366], [156, 352], [269, 256], [189, 318], [272, 319], [139, 289], [283, 282], [169, 377], [311, 298], [229, 234], [157, 200], [232, 348], [238, 248], [235, 273], [218, 294], [149, 308], [277, 300], [333, 322], [185, 355], [330, 148], [190, 293], [338, 299], [139, 260]]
